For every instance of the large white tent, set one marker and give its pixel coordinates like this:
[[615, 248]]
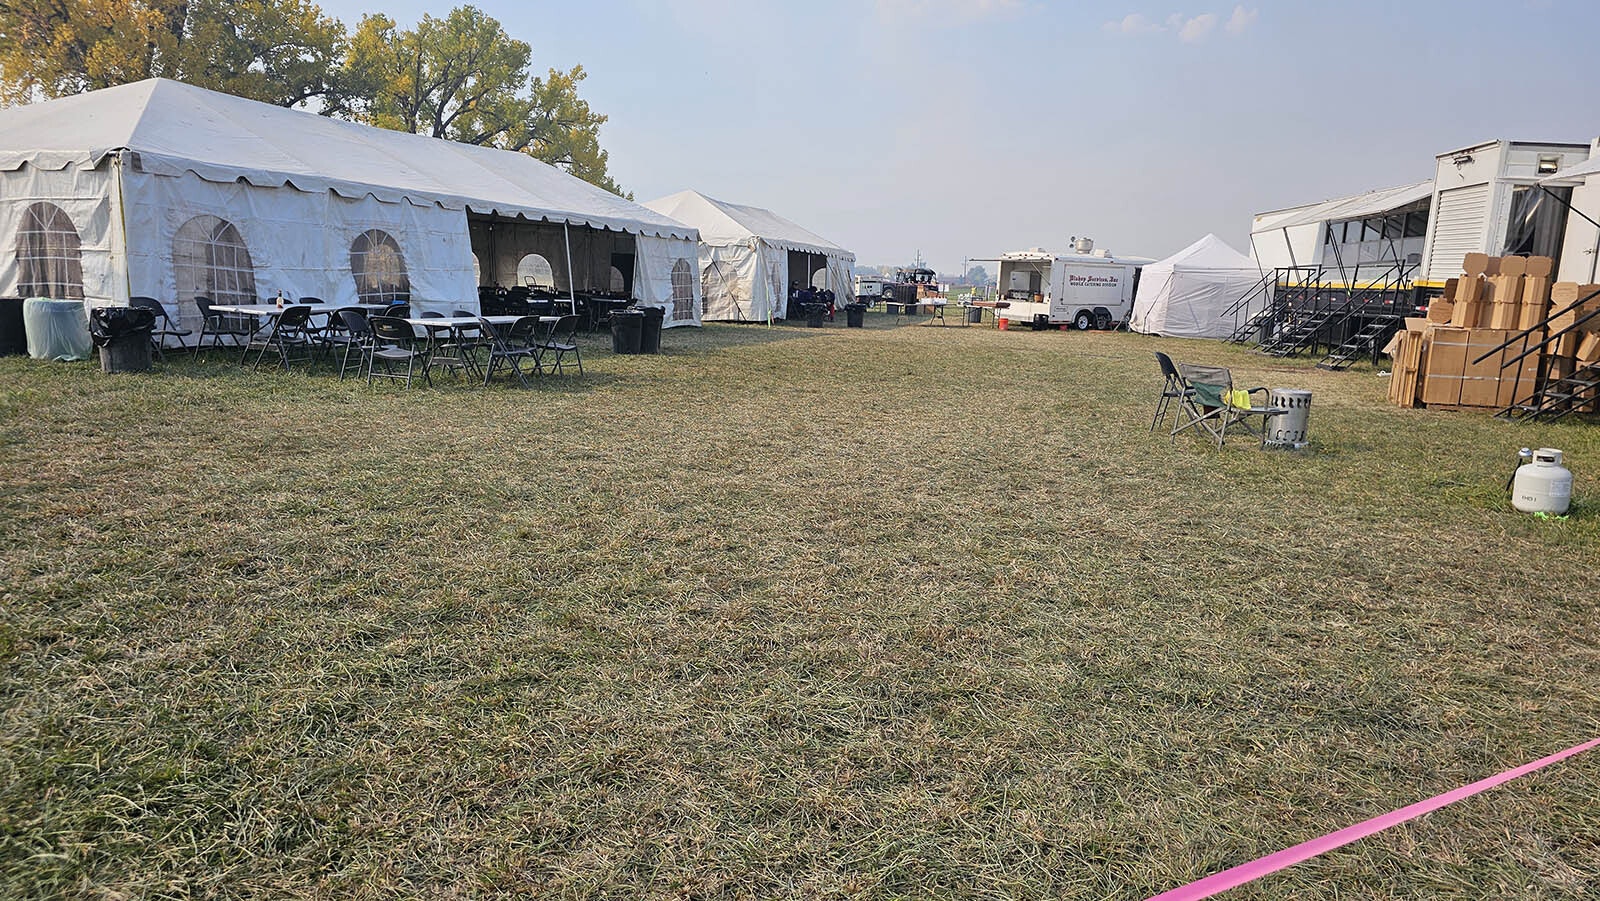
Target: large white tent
[[1188, 294], [167, 190], [750, 256]]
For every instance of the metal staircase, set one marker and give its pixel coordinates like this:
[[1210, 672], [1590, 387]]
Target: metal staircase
[[1272, 297], [1560, 397], [1377, 326]]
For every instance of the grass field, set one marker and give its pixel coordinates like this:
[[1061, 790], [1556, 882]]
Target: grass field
[[902, 612]]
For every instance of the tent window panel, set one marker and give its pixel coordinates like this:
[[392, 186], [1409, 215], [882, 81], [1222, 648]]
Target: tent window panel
[[535, 271], [379, 268], [49, 254], [619, 284], [682, 291], [210, 259]]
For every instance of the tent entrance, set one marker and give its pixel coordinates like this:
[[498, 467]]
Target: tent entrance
[[553, 257], [809, 269]]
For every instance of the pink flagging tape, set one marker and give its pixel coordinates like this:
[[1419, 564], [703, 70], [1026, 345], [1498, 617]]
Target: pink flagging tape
[[1288, 857]]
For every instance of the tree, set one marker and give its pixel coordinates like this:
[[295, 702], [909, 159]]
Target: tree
[[463, 78], [277, 51], [977, 275]]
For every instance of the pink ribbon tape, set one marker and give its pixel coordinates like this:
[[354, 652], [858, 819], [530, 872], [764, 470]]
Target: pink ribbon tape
[[1288, 857]]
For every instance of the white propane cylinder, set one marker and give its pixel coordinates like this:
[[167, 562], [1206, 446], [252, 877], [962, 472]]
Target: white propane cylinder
[[1543, 486]]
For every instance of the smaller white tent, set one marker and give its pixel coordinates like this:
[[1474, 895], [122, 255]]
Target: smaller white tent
[[750, 256], [1188, 294]]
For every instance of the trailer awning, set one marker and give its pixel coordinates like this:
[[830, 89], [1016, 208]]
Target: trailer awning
[[1359, 206]]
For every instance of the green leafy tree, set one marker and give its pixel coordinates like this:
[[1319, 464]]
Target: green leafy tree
[[277, 51], [463, 78]]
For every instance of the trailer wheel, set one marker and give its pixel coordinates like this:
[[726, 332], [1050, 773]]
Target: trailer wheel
[[1083, 321]]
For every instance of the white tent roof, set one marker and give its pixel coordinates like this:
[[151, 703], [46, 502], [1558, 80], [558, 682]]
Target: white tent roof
[[176, 127], [1357, 206], [1210, 252], [724, 223]]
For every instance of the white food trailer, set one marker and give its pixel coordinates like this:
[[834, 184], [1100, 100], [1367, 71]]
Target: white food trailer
[[1087, 288]]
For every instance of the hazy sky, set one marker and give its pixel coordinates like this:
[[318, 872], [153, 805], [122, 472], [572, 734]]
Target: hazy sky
[[963, 128]]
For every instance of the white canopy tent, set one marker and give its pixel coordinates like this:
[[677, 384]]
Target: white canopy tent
[[749, 256], [167, 190], [1187, 295]]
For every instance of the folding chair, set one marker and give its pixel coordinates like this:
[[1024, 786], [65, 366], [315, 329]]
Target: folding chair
[[1173, 389], [166, 326], [1210, 404], [290, 337], [347, 333], [511, 347], [562, 340], [219, 325], [395, 342]]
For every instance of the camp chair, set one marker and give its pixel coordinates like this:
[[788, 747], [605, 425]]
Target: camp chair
[[1172, 390], [1211, 404]]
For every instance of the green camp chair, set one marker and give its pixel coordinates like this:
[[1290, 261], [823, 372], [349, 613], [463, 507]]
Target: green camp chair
[[1211, 405]]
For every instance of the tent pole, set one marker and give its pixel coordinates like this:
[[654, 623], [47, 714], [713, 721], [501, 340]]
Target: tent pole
[[572, 283], [122, 217]]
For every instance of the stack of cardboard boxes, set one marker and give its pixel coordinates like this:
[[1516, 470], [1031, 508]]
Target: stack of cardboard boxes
[[1436, 360]]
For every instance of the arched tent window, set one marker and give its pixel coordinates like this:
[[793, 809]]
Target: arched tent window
[[534, 271], [49, 256], [477, 270], [682, 291], [379, 268], [209, 258], [618, 283], [819, 279]]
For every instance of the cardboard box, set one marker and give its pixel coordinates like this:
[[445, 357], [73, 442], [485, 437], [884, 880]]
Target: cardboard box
[[1504, 316], [1480, 379], [1416, 324], [1450, 288], [1447, 359], [1469, 290], [1475, 264], [1441, 310], [1513, 265], [1588, 351], [1541, 267], [1504, 288], [1518, 378]]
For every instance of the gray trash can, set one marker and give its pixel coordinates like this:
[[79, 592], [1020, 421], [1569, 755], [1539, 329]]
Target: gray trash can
[[123, 336], [1291, 428]]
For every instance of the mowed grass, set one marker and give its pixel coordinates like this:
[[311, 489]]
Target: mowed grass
[[786, 613]]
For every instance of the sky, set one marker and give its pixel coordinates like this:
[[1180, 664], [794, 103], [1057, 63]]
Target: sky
[[960, 129]]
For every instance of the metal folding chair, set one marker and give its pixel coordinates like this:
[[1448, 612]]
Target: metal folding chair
[[394, 342], [166, 326], [562, 340], [290, 338], [510, 348], [1173, 389], [222, 325]]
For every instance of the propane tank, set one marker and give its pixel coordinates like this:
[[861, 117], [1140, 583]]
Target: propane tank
[[1543, 486]]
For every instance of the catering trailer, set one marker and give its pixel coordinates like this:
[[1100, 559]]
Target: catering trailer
[[1085, 288]]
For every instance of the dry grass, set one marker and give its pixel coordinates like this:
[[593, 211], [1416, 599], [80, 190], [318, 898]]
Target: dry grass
[[787, 613]]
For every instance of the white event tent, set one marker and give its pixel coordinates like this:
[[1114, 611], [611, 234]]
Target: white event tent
[[163, 189], [1188, 294], [750, 256]]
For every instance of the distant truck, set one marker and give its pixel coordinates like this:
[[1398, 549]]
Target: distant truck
[[908, 285], [1085, 288], [869, 288]]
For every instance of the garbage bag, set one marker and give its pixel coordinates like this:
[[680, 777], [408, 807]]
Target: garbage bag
[[106, 324]]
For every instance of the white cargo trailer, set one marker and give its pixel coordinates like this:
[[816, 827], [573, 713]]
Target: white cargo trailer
[[1088, 290]]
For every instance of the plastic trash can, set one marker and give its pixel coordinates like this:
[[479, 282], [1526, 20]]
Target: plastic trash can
[[627, 330], [123, 336], [975, 315], [815, 313], [57, 329], [855, 315], [650, 332]]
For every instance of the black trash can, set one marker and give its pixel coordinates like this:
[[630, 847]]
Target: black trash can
[[650, 334], [627, 329], [13, 334], [815, 314], [123, 336], [975, 315], [855, 315]]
